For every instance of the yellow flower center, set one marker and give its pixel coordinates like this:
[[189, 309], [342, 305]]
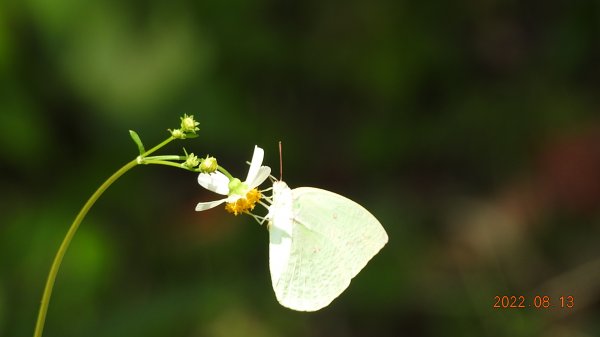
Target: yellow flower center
[[244, 204]]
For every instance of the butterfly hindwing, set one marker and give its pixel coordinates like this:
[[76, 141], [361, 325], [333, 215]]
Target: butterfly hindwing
[[346, 225], [310, 281]]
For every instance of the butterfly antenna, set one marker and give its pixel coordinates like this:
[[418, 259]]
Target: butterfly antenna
[[280, 163]]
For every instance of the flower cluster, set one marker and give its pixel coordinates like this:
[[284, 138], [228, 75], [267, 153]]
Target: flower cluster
[[241, 197], [187, 129]]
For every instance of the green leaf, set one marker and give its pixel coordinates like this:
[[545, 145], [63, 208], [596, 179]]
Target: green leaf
[[137, 141]]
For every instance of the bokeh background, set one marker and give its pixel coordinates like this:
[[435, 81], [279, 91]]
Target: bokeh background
[[471, 129]]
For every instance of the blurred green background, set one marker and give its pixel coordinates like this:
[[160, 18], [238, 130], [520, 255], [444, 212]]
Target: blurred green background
[[470, 129]]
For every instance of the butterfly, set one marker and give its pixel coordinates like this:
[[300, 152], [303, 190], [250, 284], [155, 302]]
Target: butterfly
[[318, 242]]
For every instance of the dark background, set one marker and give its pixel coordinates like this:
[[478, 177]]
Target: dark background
[[469, 128]]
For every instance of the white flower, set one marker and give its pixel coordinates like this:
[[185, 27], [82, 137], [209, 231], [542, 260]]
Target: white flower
[[234, 189]]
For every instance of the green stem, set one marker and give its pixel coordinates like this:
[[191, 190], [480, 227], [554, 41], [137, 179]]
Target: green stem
[[167, 163], [173, 157], [224, 171], [39, 325], [152, 150]]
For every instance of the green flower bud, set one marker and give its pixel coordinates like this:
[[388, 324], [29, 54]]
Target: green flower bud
[[177, 134], [188, 124], [191, 161], [209, 165]]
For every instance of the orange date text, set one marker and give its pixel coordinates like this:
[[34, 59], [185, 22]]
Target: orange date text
[[536, 302]]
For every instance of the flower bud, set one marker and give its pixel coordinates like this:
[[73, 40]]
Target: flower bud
[[188, 124], [177, 134], [191, 161], [209, 165]]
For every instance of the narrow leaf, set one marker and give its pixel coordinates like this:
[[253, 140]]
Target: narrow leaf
[[137, 141]]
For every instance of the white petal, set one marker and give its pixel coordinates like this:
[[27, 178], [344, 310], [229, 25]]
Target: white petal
[[257, 159], [203, 206], [233, 198], [261, 176], [216, 182]]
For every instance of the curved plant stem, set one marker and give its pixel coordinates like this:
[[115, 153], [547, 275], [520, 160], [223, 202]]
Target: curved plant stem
[[225, 172], [39, 325]]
